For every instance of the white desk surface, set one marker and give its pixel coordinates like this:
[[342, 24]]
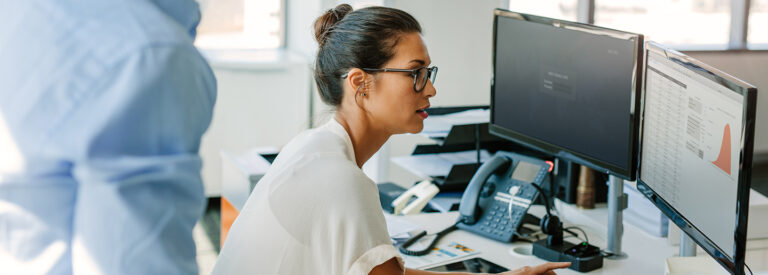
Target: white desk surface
[[646, 254]]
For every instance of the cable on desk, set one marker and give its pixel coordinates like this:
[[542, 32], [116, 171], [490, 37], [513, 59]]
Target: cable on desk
[[509, 215], [750, 270], [571, 234], [404, 247], [586, 238], [526, 237], [535, 236]]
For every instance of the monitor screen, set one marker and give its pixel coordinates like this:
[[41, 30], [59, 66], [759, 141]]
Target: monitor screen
[[567, 89], [693, 134]]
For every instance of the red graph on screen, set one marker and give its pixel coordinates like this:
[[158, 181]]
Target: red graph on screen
[[723, 160]]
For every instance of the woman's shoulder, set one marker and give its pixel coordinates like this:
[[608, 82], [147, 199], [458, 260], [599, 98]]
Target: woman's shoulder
[[320, 152], [327, 170], [322, 180], [313, 141]]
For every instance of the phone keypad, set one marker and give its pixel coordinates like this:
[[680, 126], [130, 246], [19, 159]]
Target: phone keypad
[[497, 223]]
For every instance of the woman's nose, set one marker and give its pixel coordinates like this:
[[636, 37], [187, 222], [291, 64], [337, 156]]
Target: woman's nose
[[429, 90]]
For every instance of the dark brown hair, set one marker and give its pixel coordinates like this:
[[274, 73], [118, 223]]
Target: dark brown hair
[[363, 38]]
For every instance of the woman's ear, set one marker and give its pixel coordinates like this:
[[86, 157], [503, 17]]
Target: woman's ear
[[356, 80]]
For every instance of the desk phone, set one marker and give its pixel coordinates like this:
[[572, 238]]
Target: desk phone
[[496, 201]]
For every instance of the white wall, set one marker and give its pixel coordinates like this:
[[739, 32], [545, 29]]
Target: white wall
[[258, 104], [459, 36]]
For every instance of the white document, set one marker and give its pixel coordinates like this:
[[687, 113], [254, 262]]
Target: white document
[[397, 226], [252, 163], [439, 126], [440, 255], [428, 165]]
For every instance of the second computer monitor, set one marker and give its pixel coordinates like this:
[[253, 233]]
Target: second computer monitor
[[568, 89], [696, 154]]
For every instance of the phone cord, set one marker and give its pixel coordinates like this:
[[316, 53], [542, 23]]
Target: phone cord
[[404, 247]]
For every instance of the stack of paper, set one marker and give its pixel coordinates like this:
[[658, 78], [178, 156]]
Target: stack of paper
[[438, 126], [440, 255], [429, 165]]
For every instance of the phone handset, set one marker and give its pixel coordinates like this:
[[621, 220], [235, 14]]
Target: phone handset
[[468, 207]]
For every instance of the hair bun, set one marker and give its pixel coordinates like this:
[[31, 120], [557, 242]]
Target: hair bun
[[325, 23]]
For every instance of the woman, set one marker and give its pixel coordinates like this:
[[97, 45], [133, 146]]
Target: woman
[[315, 212]]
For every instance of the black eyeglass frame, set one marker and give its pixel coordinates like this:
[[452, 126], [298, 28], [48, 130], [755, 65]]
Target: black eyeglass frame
[[430, 75]]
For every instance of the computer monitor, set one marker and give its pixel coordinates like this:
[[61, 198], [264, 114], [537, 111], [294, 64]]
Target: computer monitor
[[696, 150], [567, 89]]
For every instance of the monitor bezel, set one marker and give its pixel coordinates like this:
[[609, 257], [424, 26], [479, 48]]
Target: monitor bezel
[[555, 150], [733, 264]]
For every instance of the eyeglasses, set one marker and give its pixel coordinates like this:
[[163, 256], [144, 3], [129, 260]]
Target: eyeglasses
[[420, 75]]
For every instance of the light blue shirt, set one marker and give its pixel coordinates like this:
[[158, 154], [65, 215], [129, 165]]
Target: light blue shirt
[[102, 107]]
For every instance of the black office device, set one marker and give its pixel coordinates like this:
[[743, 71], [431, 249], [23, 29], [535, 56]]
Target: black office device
[[568, 89], [474, 265], [697, 139], [583, 257], [496, 202]]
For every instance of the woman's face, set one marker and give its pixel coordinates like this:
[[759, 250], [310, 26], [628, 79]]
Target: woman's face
[[392, 102]]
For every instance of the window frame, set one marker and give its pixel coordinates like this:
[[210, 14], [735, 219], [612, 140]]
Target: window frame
[[737, 37], [282, 33]]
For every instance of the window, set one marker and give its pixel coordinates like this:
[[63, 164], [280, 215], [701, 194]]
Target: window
[[758, 21], [359, 4], [687, 24], [241, 24], [560, 9]]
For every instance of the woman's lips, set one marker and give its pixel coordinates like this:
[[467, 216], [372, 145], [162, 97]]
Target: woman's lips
[[422, 113]]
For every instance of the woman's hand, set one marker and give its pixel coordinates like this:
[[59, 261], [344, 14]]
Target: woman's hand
[[543, 269]]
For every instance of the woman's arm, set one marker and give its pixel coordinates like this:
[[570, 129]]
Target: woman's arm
[[391, 267]]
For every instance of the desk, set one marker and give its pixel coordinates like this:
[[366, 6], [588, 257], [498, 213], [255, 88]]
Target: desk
[[647, 254]]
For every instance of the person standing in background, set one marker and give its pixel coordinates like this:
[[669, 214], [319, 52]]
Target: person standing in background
[[102, 107]]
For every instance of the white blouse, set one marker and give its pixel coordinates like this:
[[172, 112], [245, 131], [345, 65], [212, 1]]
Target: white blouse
[[314, 212]]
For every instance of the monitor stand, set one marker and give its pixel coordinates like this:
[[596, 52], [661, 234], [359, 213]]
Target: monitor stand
[[617, 202], [687, 246]]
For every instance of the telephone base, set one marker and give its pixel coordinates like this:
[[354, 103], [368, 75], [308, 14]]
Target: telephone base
[[583, 257]]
